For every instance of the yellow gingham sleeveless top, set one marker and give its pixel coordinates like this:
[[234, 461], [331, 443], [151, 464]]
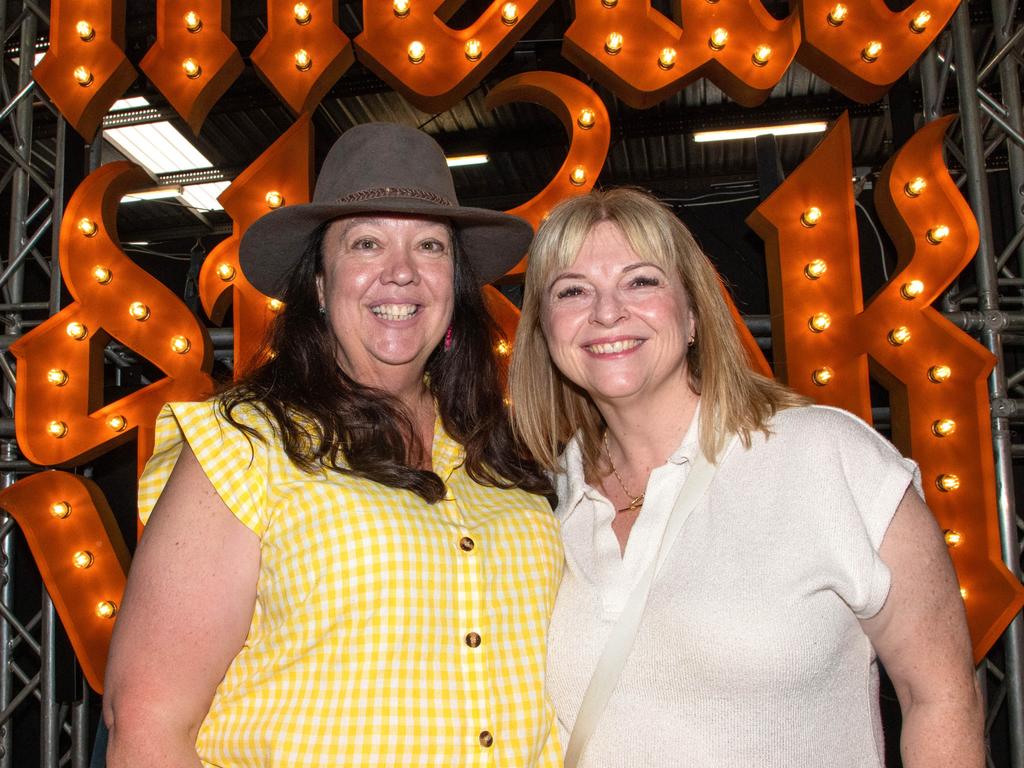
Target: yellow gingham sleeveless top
[[387, 631]]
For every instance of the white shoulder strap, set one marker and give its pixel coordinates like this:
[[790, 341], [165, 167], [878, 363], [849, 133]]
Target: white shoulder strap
[[620, 641]]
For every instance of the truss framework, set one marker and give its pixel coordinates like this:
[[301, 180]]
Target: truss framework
[[983, 66]]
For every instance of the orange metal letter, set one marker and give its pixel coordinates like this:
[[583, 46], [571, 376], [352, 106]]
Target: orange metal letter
[[80, 554], [409, 46], [193, 62], [826, 340], [303, 53], [282, 175], [60, 418], [85, 69]]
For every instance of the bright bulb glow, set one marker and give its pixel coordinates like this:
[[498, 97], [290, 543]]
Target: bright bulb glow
[[586, 118], [937, 234], [82, 559], [811, 216], [102, 275], [609, 3], [837, 15], [943, 427], [57, 377], [953, 538], [912, 289], [914, 187], [274, 199], [947, 483], [473, 49], [76, 330], [820, 322], [871, 51], [191, 68], [578, 177], [417, 51], [107, 609], [731, 134], [83, 76], [57, 429], [899, 336], [303, 60], [401, 8], [180, 344], [60, 509], [87, 226], [275, 305], [718, 39], [85, 31], [226, 272], [192, 21], [510, 13], [939, 373], [302, 13], [503, 348], [667, 58], [117, 423], [920, 22], [761, 55], [613, 43], [138, 310], [963, 593], [822, 376], [815, 269]]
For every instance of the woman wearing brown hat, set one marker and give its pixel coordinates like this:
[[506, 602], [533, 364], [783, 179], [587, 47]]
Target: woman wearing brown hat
[[347, 562]]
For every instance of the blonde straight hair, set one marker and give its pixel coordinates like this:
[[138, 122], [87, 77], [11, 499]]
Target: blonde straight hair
[[548, 409]]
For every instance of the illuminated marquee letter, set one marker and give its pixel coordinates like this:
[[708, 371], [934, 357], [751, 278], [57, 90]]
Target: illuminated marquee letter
[[409, 46], [59, 415], [81, 557], [280, 176], [642, 56], [303, 53], [585, 119], [193, 62], [85, 69], [826, 341]]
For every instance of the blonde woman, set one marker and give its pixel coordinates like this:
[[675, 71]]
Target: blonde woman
[[808, 557]]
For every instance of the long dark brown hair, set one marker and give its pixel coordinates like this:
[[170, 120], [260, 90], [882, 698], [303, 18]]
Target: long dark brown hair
[[324, 418]]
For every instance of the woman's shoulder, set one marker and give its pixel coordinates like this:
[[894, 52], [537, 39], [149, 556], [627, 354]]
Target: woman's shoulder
[[818, 425]]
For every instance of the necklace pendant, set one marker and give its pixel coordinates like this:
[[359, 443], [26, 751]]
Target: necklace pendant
[[636, 503]]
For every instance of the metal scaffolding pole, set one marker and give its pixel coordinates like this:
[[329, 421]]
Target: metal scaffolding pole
[[991, 337]]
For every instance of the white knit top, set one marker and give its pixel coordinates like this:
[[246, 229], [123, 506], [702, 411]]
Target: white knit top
[[750, 652]]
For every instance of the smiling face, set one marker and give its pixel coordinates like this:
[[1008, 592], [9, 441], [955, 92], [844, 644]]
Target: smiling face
[[616, 325], [387, 285]]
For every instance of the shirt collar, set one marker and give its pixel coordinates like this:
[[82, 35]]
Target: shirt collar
[[446, 454], [571, 484]]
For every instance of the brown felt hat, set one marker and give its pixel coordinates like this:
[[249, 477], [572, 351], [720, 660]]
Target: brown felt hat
[[381, 168]]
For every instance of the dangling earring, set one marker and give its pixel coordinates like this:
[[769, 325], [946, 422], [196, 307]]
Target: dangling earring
[[448, 339]]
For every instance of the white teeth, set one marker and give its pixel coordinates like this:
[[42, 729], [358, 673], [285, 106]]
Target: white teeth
[[394, 311], [614, 347]]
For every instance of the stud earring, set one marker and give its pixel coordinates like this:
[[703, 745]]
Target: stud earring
[[448, 339], [322, 310]]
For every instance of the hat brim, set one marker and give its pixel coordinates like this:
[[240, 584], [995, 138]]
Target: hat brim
[[492, 241]]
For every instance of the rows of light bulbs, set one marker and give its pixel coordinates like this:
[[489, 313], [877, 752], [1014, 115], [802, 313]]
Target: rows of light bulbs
[[473, 49], [762, 53], [194, 23], [898, 336], [79, 331], [83, 559]]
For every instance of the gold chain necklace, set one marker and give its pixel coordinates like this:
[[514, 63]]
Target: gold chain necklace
[[636, 501]]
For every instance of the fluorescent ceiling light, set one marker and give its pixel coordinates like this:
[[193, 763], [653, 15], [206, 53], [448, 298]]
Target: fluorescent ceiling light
[[749, 133], [460, 160], [133, 103], [161, 148], [203, 197], [160, 193]]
